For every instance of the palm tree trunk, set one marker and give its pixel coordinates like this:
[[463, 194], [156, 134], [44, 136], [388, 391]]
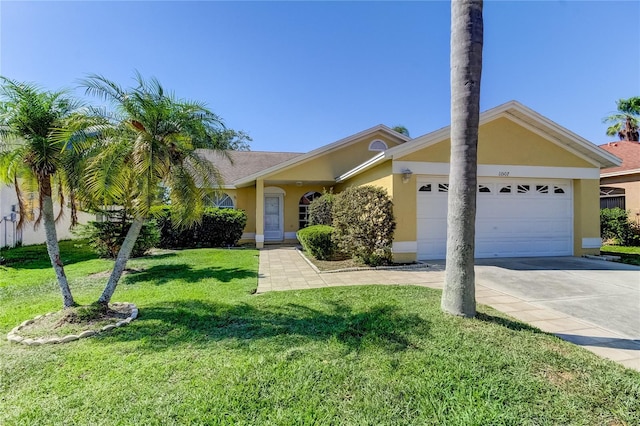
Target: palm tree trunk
[[121, 261], [53, 247], [458, 296]]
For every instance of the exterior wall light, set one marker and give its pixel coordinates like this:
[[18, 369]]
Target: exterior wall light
[[406, 175]]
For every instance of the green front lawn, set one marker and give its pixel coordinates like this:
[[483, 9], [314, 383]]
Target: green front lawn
[[630, 255], [205, 350]]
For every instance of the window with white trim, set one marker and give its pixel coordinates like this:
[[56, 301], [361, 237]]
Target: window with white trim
[[221, 200], [377, 145], [303, 207]]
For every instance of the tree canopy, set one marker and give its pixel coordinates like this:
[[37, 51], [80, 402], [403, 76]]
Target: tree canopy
[[625, 122]]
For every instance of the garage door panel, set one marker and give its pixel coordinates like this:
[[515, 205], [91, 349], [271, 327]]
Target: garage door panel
[[537, 221]]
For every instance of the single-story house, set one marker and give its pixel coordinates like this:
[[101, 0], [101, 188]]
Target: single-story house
[[620, 186], [10, 235], [538, 186]]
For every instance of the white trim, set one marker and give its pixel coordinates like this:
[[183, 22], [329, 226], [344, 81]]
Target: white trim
[[290, 236], [362, 167], [591, 243], [248, 236], [323, 149], [376, 141], [520, 122], [497, 170], [274, 190], [404, 247], [622, 173], [519, 114], [259, 238]]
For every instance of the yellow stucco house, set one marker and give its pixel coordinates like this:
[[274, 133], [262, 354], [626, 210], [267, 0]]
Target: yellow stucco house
[[538, 186], [620, 186]]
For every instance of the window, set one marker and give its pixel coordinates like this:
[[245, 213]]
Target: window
[[484, 188], [221, 200], [542, 189], [612, 197], [523, 189], [303, 208], [558, 190], [425, 188], [443, 187], [377, 145], [505, 189]]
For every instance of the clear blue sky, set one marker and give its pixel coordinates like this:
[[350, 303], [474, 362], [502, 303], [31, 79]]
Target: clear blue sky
[[298, 75]]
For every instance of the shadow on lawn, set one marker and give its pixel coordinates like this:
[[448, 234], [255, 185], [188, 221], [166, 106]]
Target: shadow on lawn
[[162, 274], [202, 323]]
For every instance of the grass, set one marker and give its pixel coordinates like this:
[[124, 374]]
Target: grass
[[205, 350], [630, 255]]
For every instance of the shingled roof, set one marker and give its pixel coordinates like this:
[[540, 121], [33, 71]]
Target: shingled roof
[[628, 152], [245, 163]]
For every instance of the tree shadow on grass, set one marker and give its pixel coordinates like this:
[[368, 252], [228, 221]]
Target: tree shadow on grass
[[198, 323], [507, 323], [162, 274]]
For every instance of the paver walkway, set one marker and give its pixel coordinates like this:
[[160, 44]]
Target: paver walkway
[[284, 268]]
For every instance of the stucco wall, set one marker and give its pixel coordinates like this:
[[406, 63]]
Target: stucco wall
[[631, 186], [586, 220], [504, 142], [333, 164]]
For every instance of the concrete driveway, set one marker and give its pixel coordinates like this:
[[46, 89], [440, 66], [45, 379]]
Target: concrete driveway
[[604, 293]]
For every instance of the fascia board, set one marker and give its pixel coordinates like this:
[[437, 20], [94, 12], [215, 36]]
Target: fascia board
[[322, 150]]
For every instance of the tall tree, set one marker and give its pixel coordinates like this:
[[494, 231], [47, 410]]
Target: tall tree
[[625, 122], [31, 159], [458, 297], [401, 129], [150, 139]]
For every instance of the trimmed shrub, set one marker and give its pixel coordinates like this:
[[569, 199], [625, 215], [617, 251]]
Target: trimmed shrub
[[106, 238], [317, 240], [218, 228], [320, 210], [615, 225], [363, 224]]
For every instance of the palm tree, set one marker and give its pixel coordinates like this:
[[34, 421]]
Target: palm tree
[[34, 162], [151, 139], [401, 129], [458, 296], [626, 121]]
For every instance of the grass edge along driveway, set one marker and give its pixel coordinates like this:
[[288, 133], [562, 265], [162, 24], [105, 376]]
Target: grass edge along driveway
[[205, 350]]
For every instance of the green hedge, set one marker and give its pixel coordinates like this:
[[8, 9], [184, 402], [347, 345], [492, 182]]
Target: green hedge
[[363, 224], [320, 210], [615, 225], [218, 228], [317, 240], [106, 238]]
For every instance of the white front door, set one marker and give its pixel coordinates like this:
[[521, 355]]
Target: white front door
[[273, 218]]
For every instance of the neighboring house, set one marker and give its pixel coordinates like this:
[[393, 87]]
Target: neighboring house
[[9, 216], [620, 186], [537, 186]]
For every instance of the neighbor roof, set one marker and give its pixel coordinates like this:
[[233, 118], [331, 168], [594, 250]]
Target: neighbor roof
[[245, 163], [628, 152]]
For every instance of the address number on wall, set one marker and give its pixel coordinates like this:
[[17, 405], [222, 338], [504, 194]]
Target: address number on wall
[[503, 174]]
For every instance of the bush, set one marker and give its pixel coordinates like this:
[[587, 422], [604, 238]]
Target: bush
[[364, 224], [320, 210], [317, 240], [615, 225], [106, 238], [218, 228]]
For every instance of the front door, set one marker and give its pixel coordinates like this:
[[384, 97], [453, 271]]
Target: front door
[[273, 223]]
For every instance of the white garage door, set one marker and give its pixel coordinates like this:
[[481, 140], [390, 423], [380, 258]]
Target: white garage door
[[515, 217]]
